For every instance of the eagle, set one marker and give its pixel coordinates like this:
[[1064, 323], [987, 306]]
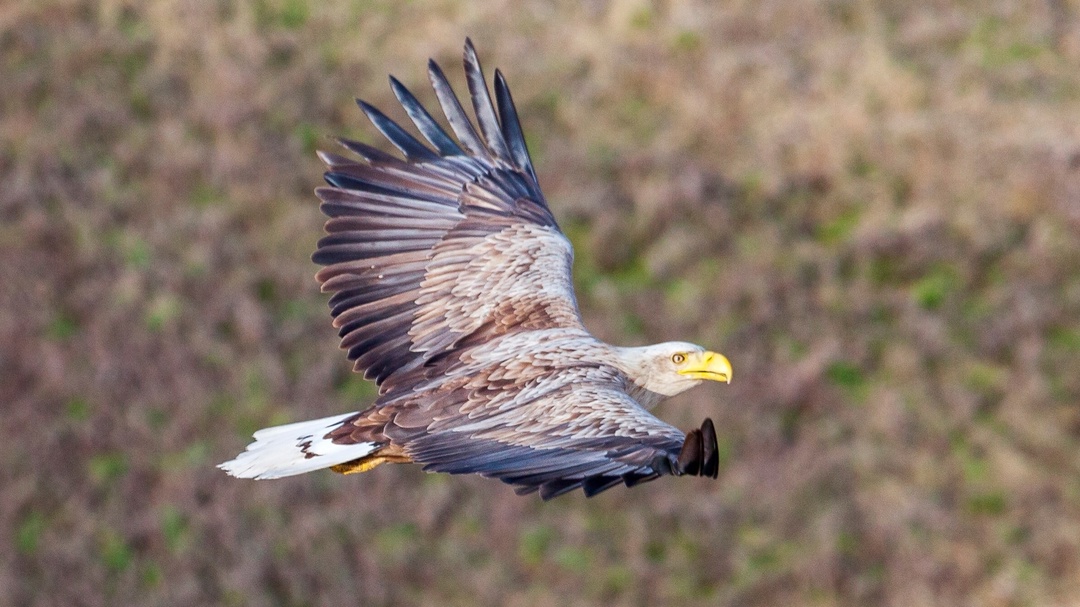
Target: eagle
[[451, 289]]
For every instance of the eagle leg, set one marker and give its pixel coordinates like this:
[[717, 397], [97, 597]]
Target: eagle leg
[[363, 464]]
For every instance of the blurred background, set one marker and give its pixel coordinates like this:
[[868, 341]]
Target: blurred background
[[872, 207]]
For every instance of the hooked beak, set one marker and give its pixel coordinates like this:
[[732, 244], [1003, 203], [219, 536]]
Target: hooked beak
[[711, 366]]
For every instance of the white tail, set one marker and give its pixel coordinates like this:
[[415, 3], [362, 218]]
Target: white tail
[[295, 449]]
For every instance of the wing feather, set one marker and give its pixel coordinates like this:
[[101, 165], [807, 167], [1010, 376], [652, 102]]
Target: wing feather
[[367, 152], [455, 114], [512, 129], [482, 106], [402, 140], [424, 122], [445, 246]]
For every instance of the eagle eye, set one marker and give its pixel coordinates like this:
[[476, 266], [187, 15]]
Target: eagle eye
[[678, 359]]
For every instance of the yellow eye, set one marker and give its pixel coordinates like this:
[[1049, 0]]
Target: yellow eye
[[678, 359]]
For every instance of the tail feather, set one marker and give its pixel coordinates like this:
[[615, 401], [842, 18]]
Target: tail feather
[[295, 449]]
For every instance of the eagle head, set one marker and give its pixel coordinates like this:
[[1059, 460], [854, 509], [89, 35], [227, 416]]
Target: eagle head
[[673, 367]]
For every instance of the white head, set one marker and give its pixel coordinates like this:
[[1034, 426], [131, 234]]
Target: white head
[[673, 367]]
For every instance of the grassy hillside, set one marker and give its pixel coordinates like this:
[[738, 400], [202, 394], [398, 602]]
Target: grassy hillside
[[873, 208]]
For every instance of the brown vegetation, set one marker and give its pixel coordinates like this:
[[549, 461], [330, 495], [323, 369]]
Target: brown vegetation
[[872, 207]]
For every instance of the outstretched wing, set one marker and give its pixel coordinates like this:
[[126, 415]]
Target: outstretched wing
[[583, 433], [601, 439], [453, 242]]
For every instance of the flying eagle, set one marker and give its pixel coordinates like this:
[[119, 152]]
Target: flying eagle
[[451, 289]]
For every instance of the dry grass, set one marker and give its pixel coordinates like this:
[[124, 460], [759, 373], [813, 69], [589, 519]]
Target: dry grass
[[873, 208]]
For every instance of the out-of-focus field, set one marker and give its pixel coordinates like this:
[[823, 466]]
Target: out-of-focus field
[[872, 207]]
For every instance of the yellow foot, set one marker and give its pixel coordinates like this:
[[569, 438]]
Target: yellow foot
[[367, 463]]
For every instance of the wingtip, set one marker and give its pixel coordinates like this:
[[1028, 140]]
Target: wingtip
[[494, 141], [471, 58], [689, 461], [433, 66], [700, 454], [364, 105], [365, 151], [402, 140], [710, 467]]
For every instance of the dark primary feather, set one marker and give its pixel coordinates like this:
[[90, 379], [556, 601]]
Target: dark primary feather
[[710, 466], [512, 129], [424, 122], [482, 106], [365, 151], [699, 455], [455, 114], [413, 149]]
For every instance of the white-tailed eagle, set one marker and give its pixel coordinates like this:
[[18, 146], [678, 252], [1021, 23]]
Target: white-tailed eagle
[[451, 289]]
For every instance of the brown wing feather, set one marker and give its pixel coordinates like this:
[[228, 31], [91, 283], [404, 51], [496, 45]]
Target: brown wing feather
[[426, 252]]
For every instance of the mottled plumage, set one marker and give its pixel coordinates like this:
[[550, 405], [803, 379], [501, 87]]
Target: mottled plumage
[[451, 290]]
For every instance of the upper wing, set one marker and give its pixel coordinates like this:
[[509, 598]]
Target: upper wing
[[453, 242]]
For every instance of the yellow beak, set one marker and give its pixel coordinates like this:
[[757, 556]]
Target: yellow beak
[[707, 365]]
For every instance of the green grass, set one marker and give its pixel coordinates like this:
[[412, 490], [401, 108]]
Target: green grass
[[62, 327], [535, 543], [29, 532], [115, 553], [932, 290], [175, 529], [107, 468]]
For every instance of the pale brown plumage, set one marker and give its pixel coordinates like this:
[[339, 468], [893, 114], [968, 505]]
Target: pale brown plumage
[[451, 289]]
